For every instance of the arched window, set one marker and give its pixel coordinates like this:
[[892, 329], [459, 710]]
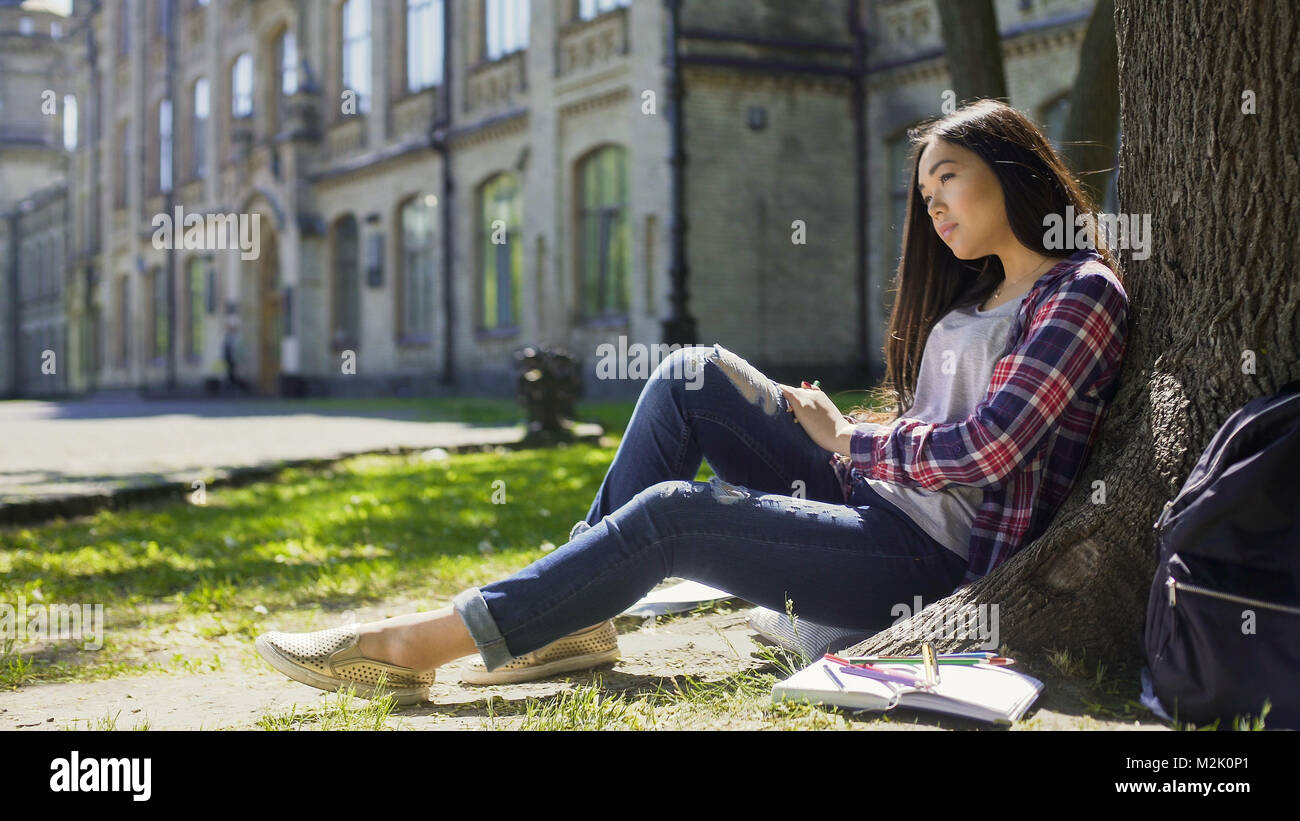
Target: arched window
[[417, 274], [346, 296], [241, 87], [604, 252], [501, 251]]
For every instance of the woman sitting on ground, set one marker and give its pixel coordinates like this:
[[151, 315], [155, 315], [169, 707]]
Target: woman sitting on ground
[[1002, 354]]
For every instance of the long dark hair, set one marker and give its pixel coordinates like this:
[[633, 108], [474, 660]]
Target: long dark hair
[[931, 280]]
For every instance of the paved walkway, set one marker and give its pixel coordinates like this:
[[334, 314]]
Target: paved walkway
[[57, 450]]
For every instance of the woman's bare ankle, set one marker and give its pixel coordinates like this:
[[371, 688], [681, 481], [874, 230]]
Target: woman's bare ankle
[[391, 644], [421, 641]]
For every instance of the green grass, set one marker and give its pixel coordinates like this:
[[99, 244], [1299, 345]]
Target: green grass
[[613, 415], [106, 722], [342, 711], [317, 541], [362, 531], [1240, 723], [681, 702]]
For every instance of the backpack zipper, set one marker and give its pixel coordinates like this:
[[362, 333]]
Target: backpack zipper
[[1173, 584], [1164, 510]]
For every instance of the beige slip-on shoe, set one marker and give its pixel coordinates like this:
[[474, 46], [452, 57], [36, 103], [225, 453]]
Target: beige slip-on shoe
[[331, 660], [576, 651]]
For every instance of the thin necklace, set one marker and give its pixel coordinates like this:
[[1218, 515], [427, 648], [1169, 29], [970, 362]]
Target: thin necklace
[[1004, 282]]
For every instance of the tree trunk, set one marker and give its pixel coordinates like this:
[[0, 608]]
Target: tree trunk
[[1219, 286], [1090, 126], [973, 48]]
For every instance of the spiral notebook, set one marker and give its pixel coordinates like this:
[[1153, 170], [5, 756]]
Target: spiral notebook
[[983, 692]]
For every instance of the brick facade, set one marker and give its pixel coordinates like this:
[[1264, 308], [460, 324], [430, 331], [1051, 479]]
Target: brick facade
[[768, 140]]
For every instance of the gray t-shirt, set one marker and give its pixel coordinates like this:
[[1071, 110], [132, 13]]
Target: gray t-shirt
[[956, 368]]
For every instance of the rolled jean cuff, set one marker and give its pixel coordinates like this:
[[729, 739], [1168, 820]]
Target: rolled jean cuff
[[473, 610]]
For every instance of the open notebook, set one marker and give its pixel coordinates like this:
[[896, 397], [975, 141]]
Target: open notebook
[[681, 597], [980, 691]]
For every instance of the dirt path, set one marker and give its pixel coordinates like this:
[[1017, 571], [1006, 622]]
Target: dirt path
[[244, 688]]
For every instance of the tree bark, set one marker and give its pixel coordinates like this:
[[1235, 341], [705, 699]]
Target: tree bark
[[973, 48], [1221, 187], [1091, 123]]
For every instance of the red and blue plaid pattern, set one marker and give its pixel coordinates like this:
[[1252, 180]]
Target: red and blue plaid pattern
[[1027, 441]]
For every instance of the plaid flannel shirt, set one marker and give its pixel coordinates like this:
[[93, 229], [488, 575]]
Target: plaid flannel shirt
[[1027, 441]]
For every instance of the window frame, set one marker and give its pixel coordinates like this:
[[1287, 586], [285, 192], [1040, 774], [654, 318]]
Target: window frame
[[284, 75], [71, 126], [513, 206], [123, 164], [199, 128], [611, 217], [363, 41], [341, 337], [195, 335], [241, 67], [511, 31], [435, 11], [166, 144], [122, 344], [286, 54], [596, 10], [407, 334], [158, 330]]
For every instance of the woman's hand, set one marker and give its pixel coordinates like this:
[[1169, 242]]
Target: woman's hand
[[819, 417]]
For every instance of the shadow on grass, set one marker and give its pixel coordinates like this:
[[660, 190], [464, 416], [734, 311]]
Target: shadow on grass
[[322, 532]]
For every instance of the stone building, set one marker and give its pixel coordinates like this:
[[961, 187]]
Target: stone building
[[418, 206], [38, 130]]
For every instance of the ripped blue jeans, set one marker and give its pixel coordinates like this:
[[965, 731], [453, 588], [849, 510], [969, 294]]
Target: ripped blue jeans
[[747, 531]]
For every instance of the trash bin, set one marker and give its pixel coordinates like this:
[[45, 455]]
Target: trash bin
[[549, 382]]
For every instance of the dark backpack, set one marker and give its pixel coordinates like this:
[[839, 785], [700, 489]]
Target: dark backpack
[[1223, 619]]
